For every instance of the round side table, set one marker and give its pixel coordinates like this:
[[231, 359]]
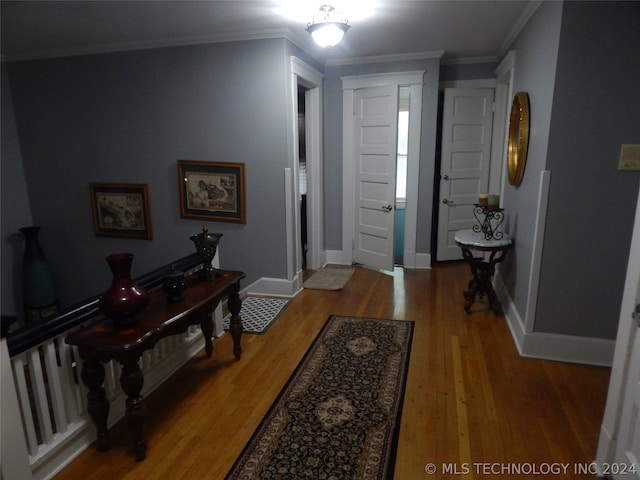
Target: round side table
[[482, 270]]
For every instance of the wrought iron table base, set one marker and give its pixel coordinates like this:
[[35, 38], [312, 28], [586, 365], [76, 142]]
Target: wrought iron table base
[[480, 284], [482, 269]]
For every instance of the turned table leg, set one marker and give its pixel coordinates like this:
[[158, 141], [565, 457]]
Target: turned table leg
[[481, 274], [131, 381], [97, 404], [206, 325], [235, 324]]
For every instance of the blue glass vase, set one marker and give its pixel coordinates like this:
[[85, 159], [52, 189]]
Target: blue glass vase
[[38, 291]]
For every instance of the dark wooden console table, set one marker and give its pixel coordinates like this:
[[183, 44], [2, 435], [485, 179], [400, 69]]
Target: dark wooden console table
[[100, 342], [482, 270]]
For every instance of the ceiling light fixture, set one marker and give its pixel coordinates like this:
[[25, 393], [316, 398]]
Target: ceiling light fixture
[[327, 27]]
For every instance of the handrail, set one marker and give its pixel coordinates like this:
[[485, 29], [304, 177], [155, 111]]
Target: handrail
[[28, 337]]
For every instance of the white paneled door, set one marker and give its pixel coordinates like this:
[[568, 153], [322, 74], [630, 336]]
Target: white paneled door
[[376, 119], [626, 463], [625, 383], [464, 168], [618, 454]]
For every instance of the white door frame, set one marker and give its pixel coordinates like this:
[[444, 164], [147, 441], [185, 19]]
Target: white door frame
[[303, 74], [414, 80]]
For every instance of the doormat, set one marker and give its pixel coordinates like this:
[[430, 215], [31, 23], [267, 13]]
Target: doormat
[[329, 278], [338, 416], [258, 313]]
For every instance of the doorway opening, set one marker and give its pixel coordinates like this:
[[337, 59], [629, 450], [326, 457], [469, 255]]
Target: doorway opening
[[404, 97], [302, 175]]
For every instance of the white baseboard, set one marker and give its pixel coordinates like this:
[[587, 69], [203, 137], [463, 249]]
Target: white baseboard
[[553, 346], [274, 287], [337, 257], [410, 260], [415, 260]]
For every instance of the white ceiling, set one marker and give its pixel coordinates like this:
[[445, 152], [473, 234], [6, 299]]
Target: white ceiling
[[459, 29]]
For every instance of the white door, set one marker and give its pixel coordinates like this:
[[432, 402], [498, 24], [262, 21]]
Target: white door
[[627, 457], [619, 445], [464, 166], [376, 119]]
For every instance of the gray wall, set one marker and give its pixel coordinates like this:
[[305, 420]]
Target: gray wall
[[16, 211], [596, 108], [467, 71], [577, 62], [333, 144], [128, 117], [536, 54]]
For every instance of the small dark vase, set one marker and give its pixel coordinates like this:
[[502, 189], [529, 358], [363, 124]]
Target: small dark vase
[[38, 291], [124, 300], [206, 245], [174, 285]]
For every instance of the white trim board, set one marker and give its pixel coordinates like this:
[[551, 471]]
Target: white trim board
[[552, 346], [273, 287]]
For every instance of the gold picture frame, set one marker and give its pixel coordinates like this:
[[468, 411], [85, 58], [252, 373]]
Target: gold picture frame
[[121, 210], [212, 191], [518, 142]]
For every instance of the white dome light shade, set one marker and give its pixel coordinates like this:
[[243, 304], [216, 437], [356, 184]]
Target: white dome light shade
[[327, 28], [327, 34]]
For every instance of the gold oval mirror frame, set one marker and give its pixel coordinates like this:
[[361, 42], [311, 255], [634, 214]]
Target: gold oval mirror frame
[[518, 138]]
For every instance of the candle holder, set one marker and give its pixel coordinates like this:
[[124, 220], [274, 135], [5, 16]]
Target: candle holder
[[206, 245], [489, 219]]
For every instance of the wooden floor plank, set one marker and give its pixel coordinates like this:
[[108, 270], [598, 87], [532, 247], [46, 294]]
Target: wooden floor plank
[[470, 398]]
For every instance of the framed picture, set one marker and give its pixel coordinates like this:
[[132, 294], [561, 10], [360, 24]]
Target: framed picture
[[212, 191], [121, 210]]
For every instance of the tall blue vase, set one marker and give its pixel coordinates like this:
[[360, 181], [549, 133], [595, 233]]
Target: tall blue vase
[[38, 291]]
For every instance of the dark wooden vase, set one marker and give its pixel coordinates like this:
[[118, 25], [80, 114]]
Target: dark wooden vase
[[124, 300]]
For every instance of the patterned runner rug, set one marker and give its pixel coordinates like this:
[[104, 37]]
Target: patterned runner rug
[[258, 313], [338, 416]]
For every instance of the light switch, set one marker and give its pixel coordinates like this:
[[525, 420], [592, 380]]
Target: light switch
[[629, 157]]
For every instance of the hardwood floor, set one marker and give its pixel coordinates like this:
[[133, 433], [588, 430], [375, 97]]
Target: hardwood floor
[[473, 408]]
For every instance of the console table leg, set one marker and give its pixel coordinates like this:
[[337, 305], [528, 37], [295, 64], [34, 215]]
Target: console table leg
[[131, 381], [97, 404], [206, 325], [235, 324]]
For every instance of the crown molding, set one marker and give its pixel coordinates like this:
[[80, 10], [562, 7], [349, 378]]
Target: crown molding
[[384, 58], [468, 60], [524, 18], [153, 44]]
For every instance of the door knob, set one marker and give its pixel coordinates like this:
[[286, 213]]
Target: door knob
[[388, 208], [447, 202], [445, 177]]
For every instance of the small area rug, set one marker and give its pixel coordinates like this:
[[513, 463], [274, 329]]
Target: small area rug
[[258, 313], [329, 278], [338, 416]]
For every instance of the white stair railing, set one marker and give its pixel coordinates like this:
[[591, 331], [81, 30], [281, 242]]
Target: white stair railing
[[44, 420], [52, 399]]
